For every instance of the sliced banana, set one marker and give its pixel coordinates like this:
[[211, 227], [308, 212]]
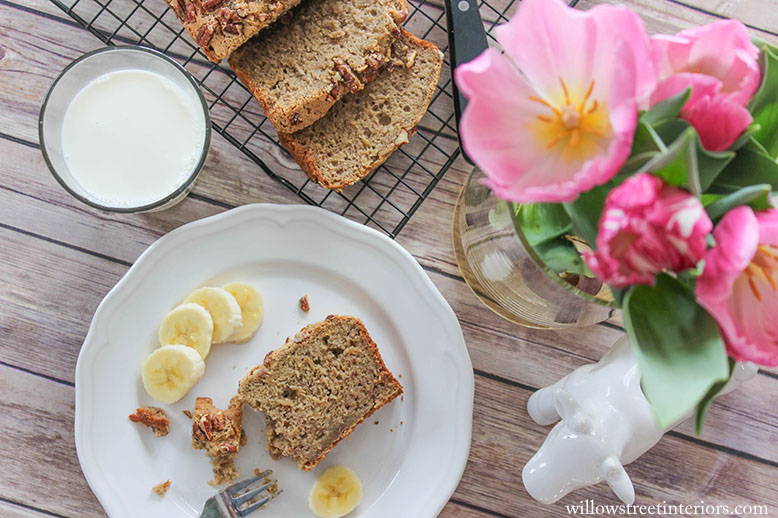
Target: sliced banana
[[252, 310], [336, 493], [188, 324], [169, 372], [224, 310]]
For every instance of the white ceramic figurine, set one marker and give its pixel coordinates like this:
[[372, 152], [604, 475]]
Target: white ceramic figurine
[[606, 423]]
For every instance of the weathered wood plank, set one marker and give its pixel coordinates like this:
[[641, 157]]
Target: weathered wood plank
[[503, 440], [756, 13], [10, 510], [38, 452], [669, 16], [241, 181], [32, 292], [675, 471]]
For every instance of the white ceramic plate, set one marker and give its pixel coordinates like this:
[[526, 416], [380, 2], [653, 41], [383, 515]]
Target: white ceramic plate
[[409, 455]]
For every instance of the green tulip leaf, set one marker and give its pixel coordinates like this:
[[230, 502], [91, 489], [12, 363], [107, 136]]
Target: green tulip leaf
[[645, 146], [562, 257], [542, 222], [679, 348], [686, 163], [757, 196], [670, 108], [764, 103], [702, 407], [751, 166], [585, 213], [746, 137]]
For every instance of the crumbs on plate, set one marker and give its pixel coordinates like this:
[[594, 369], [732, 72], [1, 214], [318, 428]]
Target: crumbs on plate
[[161, 488]]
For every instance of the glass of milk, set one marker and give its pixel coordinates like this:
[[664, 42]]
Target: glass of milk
[[125, 129]]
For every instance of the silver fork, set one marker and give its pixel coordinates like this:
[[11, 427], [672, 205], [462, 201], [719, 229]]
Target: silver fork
[[241, 498]]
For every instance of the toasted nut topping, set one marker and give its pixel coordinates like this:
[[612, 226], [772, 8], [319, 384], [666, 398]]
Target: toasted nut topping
[[206, 426], [204, 35], [304, 304], [190, 13], [348, 76], [232, 28], [228, 447], [212, 5], [333, 95]]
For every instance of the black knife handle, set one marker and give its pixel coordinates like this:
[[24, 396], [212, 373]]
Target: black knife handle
[[466, 40]]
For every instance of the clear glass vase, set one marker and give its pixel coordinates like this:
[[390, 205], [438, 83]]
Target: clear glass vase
[[508, 276]]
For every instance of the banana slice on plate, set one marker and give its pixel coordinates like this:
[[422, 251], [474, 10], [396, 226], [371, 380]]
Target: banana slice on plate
[[252, 310], [224, 310], [188, 324], [336, 493], [169, 372]]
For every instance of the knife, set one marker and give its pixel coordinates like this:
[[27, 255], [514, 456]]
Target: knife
[[466, 40]]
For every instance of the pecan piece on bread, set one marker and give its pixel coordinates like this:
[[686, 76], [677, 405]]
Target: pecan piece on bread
[[212, 5], [349, 77], [204, 35], [190, 13], [232, 28], [333, 95]]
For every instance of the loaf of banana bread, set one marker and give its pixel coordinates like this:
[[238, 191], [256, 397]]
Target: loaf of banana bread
[[360, 132], [298, 68], [221, 26]]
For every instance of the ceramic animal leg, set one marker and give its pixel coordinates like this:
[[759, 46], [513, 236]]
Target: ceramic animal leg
[[616, 476], [542, 408]]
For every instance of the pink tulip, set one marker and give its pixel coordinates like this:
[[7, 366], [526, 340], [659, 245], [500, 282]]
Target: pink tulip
[[719, 62], [738, 284], [646, 227], [555, 115]]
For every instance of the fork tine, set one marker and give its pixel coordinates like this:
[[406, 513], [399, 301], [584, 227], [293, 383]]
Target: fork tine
[[231, 490], [253, 507], [251, 494]]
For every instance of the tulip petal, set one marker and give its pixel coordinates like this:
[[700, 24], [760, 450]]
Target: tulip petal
[[718, 120], [737, 236], [496, 126], [549, 41]]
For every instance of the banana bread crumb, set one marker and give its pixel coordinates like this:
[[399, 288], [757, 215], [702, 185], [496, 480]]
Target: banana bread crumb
[[161, 488], [153, 417], [219, 433]]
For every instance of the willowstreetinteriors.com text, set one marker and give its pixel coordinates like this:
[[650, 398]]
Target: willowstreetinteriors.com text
[[589, 508]]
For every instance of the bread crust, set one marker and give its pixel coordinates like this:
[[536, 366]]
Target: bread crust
[[307, 163], [260, 370]]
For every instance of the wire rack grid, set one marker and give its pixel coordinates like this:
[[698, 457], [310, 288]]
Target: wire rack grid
[[387, 198]]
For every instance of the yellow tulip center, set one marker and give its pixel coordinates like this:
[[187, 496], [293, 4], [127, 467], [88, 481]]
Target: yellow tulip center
[[762, 269], [578, 126]]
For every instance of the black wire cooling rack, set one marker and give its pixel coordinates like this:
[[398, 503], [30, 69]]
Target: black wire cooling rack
[[388, 197]]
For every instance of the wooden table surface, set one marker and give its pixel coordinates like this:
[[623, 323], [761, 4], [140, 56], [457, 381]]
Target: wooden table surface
[[58, 259]]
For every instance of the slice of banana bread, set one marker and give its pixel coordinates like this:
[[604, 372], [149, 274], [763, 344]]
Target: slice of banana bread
[[219, 433], [298, 68], [221, 26], [315, 389], [360, 132]]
